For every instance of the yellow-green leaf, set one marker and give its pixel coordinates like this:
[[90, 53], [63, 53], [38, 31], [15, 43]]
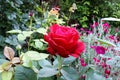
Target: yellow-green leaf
[[36, 56], [14, 31], [7, 75], [26, 61]]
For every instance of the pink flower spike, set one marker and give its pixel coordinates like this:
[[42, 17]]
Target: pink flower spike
[[117, 30], [89, 32], [106, 25], [103, 64], [82, 29], [100, 49], [82, 62], [112, 37], [95, 24], [31, 13], [96, 60], [93, 47], [107, 72]]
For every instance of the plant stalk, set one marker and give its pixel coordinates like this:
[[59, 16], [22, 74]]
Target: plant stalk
[[59, 66]]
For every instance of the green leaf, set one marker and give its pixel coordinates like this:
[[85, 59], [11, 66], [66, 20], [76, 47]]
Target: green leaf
[[74, 6], [61, 78], [47, 72], [22, 73], [36, 56], [56, 63], [12, 40], [69, 73], [39, 9], [89, 74], [21, 37], [59, 21], [14, 31], [27, 33], [41, 30], [68, 60], [24, 35], [106, 42], [48, 78], [45, 63], [38, 44], [7, 75], [92, 75], [19, 2], [2, 61], [86, 3], [26, 61], [98, 77], [109, 79]]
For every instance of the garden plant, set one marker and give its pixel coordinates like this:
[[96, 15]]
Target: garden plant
[[47, 43]]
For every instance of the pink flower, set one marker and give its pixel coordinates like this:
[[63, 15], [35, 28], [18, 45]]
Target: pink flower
[[56, 8], [112, 37], [107, 71], [117, 30], [106, 26], [83, 64], [88, 32], [96, 60], [31, 13], [82, 29], [99, 49], [95, 24], [103, 64]]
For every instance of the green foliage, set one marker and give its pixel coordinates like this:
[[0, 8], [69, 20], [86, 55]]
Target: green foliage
[[23, 24], [23, 73], [44, 72], [69, 73], [7, 75], [88, 10]]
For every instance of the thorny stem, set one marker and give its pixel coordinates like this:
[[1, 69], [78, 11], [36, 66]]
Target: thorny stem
[[69, 18], [59, 66], [30, 27]]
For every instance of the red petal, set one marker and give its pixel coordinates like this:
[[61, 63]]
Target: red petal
[[58, 49], [51, 51], [53, 28], [46, 38], [80, 48]]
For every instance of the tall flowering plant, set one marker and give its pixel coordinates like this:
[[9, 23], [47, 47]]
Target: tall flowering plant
[[99, 61], [64, 42]]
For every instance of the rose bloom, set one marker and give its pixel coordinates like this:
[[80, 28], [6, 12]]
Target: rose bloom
[[64, 41]]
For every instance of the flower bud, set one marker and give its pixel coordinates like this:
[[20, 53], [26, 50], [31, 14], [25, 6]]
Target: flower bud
[[18, 47]]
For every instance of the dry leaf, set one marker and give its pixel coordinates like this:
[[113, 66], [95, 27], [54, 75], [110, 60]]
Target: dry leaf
[[9, 53], [15, 60]]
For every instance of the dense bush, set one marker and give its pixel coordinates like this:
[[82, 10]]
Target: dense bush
[[88, 10]]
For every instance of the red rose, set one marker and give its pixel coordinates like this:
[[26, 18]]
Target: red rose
[[64, 41]]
